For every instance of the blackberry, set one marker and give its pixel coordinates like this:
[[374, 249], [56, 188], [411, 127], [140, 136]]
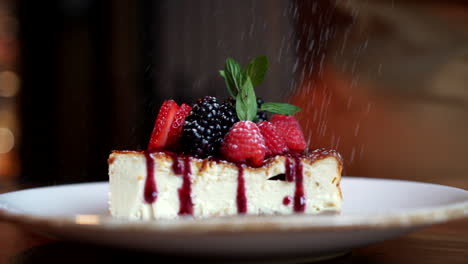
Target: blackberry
[[206, 125], [228, 114], [261, 115]]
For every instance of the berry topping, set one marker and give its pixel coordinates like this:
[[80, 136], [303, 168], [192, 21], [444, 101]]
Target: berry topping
[[291, 130], [176, 127], [244, 143], [274, 141], [162, 124], [206, 126], [201, 130], [261, 115], [228, 112]]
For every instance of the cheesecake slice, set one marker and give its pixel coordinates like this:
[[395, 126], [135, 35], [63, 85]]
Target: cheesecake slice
[[151, 185], [222, 158]]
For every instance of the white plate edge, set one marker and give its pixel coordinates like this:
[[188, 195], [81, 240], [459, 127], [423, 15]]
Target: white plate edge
[[419, 217]]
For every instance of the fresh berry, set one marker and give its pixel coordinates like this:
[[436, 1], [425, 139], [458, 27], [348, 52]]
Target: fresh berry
[[261, 115], [162, 124], [176, 127], [291, 130], [205, 127], [229, 114], [244, 143], [274, 141]]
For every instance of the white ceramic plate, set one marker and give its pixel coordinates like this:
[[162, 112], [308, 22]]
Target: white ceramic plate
[[374, 210]]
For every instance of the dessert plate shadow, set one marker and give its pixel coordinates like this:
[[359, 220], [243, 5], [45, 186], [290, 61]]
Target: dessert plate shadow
[[373, 210]]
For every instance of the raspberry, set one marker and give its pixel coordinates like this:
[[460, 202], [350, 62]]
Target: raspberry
[[290, 128], [176, 127], [274, 141], [206, 126], [162, 124], [244, 143]]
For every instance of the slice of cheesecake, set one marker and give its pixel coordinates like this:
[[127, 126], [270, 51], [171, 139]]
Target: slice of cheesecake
[[162, 185]]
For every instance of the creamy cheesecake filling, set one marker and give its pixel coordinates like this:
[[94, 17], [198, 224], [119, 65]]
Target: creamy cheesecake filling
[[172, 185]]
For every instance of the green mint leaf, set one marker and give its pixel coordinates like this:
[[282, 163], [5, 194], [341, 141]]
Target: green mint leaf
[[246, 102], [257, 69], [233, 76], [241, 113], [229, 84], [280, 108]]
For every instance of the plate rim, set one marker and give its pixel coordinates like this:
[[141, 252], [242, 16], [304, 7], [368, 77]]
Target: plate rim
[[247, 224]]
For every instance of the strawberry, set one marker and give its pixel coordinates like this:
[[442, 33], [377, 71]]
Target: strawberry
[[162, 124], [291, 130], [244, 143], [176, 127], [274, 141]]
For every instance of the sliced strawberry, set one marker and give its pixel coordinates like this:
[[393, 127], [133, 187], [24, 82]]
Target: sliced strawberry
[[244, 143], [274, 141], [291, 130], [162, 124], [176, 127]]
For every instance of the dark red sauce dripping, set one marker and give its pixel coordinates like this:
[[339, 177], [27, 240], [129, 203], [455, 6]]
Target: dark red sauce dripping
[[151, 192], [241, 197], [290, 170], [177, 166], [185, 192], [299, 197], [294, 173]]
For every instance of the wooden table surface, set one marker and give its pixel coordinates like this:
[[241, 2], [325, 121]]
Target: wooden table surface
[[442, 243]]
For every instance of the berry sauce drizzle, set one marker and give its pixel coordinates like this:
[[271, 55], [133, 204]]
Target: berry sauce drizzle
[[150, 193], [241, 197], [176, 164], [294, 173], [185, 192], [290, 170], [299, 197]]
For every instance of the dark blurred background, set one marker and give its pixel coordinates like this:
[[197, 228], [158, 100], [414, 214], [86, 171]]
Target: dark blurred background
[[384, 82]]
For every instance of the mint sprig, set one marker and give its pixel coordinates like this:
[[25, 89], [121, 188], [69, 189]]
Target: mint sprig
[[246, 102], [280, 108], [256, 70], [233, 76], [240, 84]]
